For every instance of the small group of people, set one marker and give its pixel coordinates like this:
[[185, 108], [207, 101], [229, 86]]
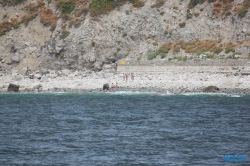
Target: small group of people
[[125, 77], [114, 85]]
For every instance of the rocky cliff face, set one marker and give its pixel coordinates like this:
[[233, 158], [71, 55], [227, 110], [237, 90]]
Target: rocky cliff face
[[126, 32]]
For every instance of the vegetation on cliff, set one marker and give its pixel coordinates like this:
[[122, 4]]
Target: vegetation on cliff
[[47, 17], [74, 11], [210, 48], [11, 2]]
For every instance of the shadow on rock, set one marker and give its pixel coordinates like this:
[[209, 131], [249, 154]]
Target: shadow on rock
[[211, 89]]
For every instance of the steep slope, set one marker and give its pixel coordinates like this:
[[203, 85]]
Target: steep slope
[[89, 35]]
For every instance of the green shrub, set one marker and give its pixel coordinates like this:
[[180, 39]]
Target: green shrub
[[155, 43], [248, 57], [99, 7], [209, 56], [167, 32], [193, 3], [182, 58], [242, 12], [217, 50], [66, 6], [153, 55], [11, 2], [219, 40], [164, 50], [137, 3], [64, 34], [199, 53], [231, 56], [163, 55], [229, 50], [228, 13], [61, 56], [126, 55]]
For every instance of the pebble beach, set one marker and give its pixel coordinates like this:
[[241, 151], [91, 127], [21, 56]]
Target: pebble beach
[[174, 79]]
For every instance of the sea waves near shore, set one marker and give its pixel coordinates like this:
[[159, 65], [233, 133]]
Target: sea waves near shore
[[123, 128]]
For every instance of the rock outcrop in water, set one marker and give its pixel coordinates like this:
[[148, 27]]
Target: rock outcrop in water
[[13, 88], [105, 87]]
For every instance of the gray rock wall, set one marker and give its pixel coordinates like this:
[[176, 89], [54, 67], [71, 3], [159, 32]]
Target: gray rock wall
[[128, 32]]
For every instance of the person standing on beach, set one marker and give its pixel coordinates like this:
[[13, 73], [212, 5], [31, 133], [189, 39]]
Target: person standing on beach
[[132, 76], [112, 85], [126, 76]]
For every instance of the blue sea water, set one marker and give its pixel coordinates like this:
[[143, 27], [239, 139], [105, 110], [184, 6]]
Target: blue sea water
[[123, 128]]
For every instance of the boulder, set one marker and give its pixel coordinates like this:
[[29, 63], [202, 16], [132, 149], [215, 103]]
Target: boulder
[[13, 88], [15, 59], [211, 89], [105, 87], [38, 76], [38, 87]]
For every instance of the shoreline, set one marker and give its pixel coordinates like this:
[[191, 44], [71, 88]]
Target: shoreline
[[130, 90], [175, 79], [84, 86]]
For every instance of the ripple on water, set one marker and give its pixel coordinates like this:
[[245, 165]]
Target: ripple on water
[[123, 128]]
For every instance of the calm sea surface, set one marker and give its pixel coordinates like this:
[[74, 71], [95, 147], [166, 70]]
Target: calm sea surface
[[123, 128]]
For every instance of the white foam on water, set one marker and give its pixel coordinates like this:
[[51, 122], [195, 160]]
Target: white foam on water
[[167, 93], [211, 94], [130, 93]]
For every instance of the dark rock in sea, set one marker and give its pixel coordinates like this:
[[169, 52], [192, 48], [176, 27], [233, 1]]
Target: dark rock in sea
[[105, 87], [13, 88], [211, 89]]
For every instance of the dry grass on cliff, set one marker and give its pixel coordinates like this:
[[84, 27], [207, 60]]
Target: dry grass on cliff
[[76, 22], [28, 17], [32, 12], [82, 10], [5, 26], [221, 8], [48, 18], [230, 47], [199, 46]]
